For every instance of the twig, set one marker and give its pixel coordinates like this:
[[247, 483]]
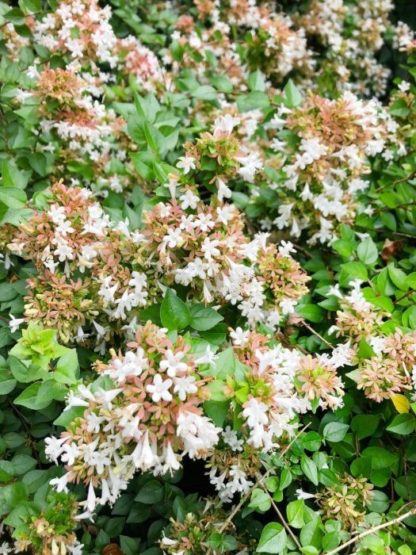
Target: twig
[[282, 518], [307, 326], [372, 530]]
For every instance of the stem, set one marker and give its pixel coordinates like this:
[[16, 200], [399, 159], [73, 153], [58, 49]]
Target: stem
[[307, 326], [282, 518], [372, 530]]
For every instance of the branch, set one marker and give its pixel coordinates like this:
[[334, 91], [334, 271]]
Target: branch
[[310, 328], [372, 530], [282, 518]]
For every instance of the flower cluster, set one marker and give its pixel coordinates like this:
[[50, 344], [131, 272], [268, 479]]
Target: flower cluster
[[352, 34], [52, 531], [388, 365], [147, 420], [324, 149], [77, 120], [88, 277], [197, 533], [346, 501], [327, 38], [205, 248], [280, 383]]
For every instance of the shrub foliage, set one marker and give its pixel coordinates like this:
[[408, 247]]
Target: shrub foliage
[[207, 277]]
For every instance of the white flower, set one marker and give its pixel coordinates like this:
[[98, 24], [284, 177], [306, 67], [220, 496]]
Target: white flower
[[172, 363], [183, 386], [239, 337], [286, 248], [225, 124], [209, 357], [288, 306], [304, 495], [15, 323], [160, 389], [143, 455], [230, 437], [5, 549], [188, 200], [204, 222], [76, 548], [404, 86], [107, 291], [335, 291], [60, 484], [197, 432], [54, 448], [250, 163], [171, 460], [378, 344], [210, 248], [91, 501], [132, 364], [186, 163], [79, 400], [255, 412], [173, 238], [223, 190]]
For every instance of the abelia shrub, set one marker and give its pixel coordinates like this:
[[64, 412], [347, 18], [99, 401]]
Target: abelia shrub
[[207, 277]]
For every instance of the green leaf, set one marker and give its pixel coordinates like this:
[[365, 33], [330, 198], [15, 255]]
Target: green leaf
[[311, 441], [285, 479], [39, 396], [68, 416], [222, 83], [12, 197], [402, 424], [273, 539], [217, 411], [364, 425], [311, 534], [367, 251], [205, 92], [129, 546], [6, 471], [67, 368], [30, 6], [398, 277], [151, 493], [7, 383], [174, 313], [379, 502], [311, 312], [222, 543], [12, 176], [295, 513], [292, 94], [335, 431], [256, 81], [26, 374], [23, 463], [7, 292], [351, 271], [365, 350], [343, 247], [204, 318], [309, 468], [28, 398], [256, 100], [260, 500]]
